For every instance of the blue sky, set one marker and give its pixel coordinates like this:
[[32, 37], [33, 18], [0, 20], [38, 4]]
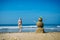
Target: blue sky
[[29, 10]]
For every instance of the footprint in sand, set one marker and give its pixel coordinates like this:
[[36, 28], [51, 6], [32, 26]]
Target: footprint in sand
[[15, 38]]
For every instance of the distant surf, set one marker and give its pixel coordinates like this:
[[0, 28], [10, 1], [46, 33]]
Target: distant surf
[[31, 28]]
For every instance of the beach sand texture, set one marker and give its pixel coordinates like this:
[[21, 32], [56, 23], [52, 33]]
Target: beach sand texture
[[30, 36]]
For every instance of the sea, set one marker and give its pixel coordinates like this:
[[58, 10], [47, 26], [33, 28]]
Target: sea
[[28, 28]]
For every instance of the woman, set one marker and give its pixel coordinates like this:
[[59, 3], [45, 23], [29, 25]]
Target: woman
[[20, 24]]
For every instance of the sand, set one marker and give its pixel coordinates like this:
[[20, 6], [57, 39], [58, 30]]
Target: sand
[[30, 36]]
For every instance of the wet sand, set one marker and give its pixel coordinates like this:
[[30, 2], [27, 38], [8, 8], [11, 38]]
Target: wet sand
[[30, 36]]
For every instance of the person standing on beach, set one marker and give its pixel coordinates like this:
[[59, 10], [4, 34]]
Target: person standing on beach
[[20, 24]]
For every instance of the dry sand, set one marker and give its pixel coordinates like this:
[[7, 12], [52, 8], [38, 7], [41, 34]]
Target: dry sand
[[30, 36]]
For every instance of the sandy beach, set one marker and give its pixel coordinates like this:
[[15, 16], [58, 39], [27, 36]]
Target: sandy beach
[[30, 36]]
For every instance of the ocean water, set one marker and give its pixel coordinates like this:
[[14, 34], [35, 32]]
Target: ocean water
[[29, 28]]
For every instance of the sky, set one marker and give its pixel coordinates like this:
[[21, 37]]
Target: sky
[[29, 10]]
